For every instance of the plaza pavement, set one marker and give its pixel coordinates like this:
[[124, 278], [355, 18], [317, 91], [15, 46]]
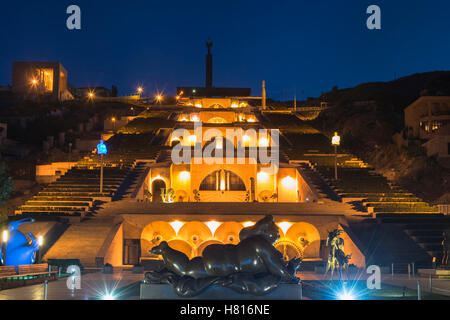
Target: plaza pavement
[[95, 284]]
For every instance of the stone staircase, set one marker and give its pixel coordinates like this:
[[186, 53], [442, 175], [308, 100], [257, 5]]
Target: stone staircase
[[82, 240], [322, 188], [135, 179]]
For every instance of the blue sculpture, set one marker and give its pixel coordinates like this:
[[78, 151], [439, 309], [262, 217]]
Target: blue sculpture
[[101, 148], [18, 249]]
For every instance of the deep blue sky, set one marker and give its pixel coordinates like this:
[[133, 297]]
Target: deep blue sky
[[293, 45]]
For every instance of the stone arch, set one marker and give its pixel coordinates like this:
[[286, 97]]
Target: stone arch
[[153, 233], [157, 184], [175, 140], [306, 237], [228, 232], [194, 232], [234, 183]]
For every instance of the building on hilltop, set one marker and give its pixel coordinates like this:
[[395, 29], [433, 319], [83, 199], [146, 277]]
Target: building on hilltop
[[428, 118], [40, 79]]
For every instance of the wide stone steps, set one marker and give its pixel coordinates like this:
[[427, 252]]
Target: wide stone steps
[[82, 241]]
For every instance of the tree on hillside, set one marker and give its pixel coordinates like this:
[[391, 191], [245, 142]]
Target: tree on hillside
[[6, 185], [114, 91]]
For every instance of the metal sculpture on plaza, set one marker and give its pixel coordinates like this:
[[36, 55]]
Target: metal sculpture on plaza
[[252, 266], [336, 258], [17, 248]]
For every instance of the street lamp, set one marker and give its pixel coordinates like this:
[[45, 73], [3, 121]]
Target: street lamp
[[140, 90], [4, 241], [335, 141], [159, 97], [101, 150], [40, 242], [91, 95], [113, 119]]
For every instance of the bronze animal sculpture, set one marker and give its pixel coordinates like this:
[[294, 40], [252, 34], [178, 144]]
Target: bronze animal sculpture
[[337, 259], [253, 265]]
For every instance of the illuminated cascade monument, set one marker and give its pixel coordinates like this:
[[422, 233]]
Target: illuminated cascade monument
[[197, 202]]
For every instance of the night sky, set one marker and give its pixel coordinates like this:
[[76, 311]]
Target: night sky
[[307, 46]]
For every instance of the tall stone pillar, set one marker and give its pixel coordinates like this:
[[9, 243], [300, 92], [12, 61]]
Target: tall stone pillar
[[208, 83], [264, 95]]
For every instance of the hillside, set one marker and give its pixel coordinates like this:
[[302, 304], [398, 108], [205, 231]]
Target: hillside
[[369, 114]]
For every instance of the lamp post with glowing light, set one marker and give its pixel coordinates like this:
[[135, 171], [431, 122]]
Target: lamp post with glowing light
[[40, 242], [159, 98], [4, 241], [140, 90], [101, 150], [335, 141], [113, 119]]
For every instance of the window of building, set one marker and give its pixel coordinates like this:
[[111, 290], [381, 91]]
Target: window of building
[[222, 180]]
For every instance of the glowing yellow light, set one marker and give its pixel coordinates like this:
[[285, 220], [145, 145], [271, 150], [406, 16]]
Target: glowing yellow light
[[251, 119], [289, 183], [177, 97], [181, 93], [158, 177], [234, 105], [159, 97], [198, 105], [34, 81], [139, 89], [91, 94], [219, 142], [192, 139], [336, 140], [113, 119], [222, 184], [245, 139], [263, 142], [195, 118], [285, 226], [263, 176], [213, 225], [185, 175], [40, 240], [5, 235], [248, 224], [176, 225]]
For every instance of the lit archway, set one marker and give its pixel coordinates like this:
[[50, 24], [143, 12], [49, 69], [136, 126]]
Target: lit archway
[[306, 237], [222, 180], [157, 185], [154, 233], [228, 232], [194, 232]]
